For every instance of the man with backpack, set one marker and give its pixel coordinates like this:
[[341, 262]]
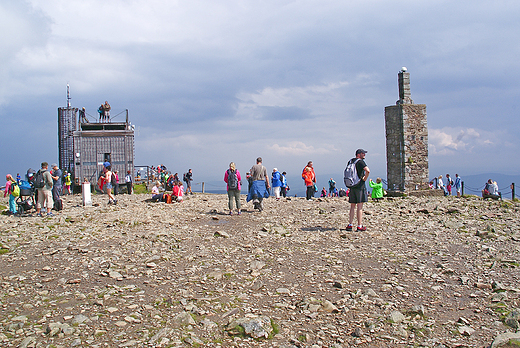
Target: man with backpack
[[187, 177], [43, 183], [356, 174]]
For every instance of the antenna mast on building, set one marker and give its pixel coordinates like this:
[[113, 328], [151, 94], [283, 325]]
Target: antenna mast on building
[[68, 97]]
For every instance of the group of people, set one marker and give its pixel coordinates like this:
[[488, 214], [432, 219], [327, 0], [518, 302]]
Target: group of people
[[175, 196], [104, 112], [491, 190], [450, 184], [169, 181], [48, 184], [259, 186]]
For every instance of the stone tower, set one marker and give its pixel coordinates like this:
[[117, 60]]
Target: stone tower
[[406, 141]]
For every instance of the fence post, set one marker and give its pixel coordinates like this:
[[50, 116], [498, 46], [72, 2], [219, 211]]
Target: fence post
[[203, 187], [462, 185], [513, 191]]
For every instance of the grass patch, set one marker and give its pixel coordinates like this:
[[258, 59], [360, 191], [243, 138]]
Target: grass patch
[[140, 188], [4, 251]]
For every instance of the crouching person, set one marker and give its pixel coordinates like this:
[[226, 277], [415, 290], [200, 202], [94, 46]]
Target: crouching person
[[178, 191]]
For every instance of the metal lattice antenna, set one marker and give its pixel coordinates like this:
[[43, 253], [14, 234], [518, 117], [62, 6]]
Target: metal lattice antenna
[[68, 96]]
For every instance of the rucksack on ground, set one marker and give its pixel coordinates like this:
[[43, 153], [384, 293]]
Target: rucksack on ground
[[232, 180], [350, 177], [39, 181]]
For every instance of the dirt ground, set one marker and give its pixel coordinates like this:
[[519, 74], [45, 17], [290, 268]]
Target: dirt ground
[[428, 272]]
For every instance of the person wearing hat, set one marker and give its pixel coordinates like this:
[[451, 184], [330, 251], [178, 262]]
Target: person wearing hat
[[45, 192], [57, 186], [358, 194]]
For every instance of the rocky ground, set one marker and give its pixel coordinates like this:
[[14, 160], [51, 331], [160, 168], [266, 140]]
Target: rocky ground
[[428, 272]]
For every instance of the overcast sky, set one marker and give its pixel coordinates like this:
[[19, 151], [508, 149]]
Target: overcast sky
[[209, 82]]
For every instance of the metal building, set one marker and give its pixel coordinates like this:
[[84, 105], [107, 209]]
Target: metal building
[[96, 143], [66, 128]]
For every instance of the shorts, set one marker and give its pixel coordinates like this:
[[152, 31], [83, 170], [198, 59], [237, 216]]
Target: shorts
[[108, 186], [358, 194], [44, 199]]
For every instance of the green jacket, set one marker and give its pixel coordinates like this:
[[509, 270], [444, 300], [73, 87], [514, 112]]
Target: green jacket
[[377, 189]]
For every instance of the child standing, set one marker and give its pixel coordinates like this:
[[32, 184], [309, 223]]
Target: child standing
[[67, 184], [12, 198]]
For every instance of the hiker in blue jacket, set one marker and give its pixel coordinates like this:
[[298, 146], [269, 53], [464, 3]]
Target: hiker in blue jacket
[[276, 182]]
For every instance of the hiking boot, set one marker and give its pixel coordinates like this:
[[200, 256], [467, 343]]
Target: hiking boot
[[349, 227], [361, 229], [50, 214]]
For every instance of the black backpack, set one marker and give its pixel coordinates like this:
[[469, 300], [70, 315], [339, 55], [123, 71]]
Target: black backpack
[[232, 180], [39, 181]]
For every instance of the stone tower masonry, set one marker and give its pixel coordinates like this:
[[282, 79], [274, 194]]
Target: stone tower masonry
[[406, 141]]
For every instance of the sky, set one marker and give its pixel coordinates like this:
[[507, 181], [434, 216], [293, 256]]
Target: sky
[[210, 82]]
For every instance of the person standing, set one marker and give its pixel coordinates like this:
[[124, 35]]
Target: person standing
[[358, 193], [9, 191], [309, 177], [233, 180], [101, 113], [109, 186], [128, 181], [449, 184], [440, 184], [116, 181], [332, 187], [68, 183], [106, 110], [260, 184], [45, 192], [57, 186], [458, 185], [283, 189], [188, 178], [277, 183]]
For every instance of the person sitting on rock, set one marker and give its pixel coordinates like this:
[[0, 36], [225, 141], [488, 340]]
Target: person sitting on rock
[[491, 190], [156, 195]]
